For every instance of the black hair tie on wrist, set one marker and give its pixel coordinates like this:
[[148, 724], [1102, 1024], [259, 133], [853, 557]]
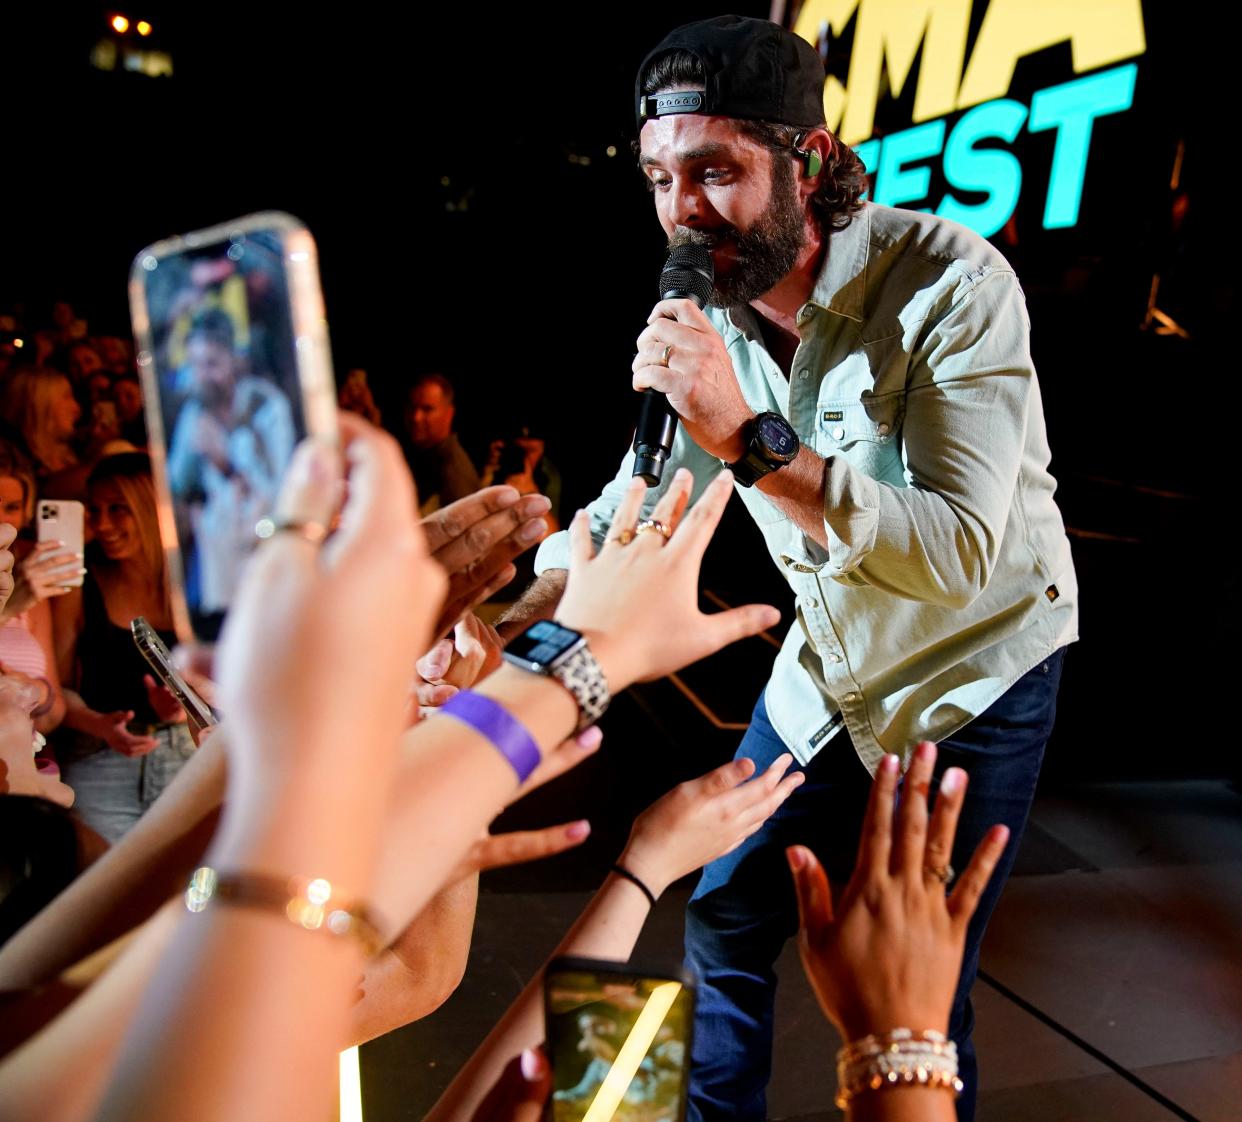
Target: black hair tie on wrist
[[622, 871]]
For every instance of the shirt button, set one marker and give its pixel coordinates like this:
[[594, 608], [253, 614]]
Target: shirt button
[[833, 656], [838, 433], [811, 602], [883, 429], [850, 697], [804, 373]]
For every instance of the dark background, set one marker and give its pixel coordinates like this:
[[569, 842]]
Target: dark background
[[453, 167]]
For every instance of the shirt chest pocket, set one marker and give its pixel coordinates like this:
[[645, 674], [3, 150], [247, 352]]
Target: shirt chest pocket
[[867, 434]]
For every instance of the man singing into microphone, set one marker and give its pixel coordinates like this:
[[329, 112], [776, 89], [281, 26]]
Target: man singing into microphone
[[866, 374]]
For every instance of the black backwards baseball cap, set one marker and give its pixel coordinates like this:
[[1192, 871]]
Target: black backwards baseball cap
[[756, 70]]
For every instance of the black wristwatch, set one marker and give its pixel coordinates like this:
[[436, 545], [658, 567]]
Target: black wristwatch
[[773, 443], [559, 652]]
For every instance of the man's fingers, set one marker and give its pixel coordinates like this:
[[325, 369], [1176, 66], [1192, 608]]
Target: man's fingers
[[684, 313], [970, 885], [450, 522], [463, 543], [497, 851]]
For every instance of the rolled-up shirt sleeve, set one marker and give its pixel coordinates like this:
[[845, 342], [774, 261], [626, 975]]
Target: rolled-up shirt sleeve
[[968, 395]]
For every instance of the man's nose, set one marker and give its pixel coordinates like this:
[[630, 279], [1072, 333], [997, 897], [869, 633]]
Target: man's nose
[[685, 203]]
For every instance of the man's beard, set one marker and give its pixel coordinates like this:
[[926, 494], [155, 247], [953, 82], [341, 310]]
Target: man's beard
[[764, 254]]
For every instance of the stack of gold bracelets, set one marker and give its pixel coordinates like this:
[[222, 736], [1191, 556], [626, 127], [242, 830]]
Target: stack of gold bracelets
[[901, 1058]]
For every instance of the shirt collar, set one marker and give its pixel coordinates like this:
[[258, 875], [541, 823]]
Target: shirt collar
[[842, 281]]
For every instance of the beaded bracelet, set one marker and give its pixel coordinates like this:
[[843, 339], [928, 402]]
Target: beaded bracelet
[[310, 902], [901, 1058]]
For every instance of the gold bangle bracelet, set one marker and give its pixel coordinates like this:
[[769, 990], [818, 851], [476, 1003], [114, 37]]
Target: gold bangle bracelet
[[310, 902]]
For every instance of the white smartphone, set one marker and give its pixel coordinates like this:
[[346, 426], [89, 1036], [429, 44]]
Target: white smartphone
[[62, 520], [236, 370]]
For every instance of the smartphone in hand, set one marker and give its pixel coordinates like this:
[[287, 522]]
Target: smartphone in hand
[[236, 370], [618, 1040], [62, 520], [201, 715]]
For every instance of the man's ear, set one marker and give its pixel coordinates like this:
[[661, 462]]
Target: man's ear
[[813, 149]]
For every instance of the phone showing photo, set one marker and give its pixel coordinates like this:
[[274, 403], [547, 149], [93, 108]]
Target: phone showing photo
[[236, 370], [618, 1040], [62, 520]]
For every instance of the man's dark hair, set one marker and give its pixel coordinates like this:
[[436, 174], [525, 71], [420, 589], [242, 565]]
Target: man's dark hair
[[843, 178], [433, 378], [215, 325]]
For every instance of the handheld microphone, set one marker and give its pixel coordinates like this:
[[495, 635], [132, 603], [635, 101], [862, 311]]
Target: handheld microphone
[[687, 275]]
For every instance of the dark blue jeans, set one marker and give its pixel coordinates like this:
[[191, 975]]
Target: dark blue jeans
[[744, 909]]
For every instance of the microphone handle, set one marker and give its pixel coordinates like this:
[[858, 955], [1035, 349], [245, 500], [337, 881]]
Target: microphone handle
[[653, 438], [657, 421]]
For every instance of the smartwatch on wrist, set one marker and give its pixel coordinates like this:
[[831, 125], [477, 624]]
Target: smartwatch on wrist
[[548, 648], [772, 443]]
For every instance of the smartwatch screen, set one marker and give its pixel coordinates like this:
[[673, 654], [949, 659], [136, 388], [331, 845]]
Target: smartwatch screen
[[777, 435], [542, 643]]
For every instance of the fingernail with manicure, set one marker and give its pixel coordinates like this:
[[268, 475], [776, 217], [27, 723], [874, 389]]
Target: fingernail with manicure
[[576, 831], [888, 765], [795, 857], [952, 781]]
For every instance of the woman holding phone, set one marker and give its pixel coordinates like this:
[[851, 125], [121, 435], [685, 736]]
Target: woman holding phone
[[40, 573], [125, 737]]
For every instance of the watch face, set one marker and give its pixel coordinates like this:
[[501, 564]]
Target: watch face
[[542, 643], [777, 436]]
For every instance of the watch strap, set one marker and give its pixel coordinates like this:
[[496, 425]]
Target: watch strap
[[581, 675]]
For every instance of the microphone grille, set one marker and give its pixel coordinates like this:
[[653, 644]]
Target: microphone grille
[[688, 270]]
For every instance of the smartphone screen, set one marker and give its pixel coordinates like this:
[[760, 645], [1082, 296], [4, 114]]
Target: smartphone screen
[[236, 371], [618, 1040]]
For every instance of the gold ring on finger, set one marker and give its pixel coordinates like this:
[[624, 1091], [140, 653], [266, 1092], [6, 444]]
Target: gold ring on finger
[[625, 536], [668, 353], [943, 873], [653, 524]]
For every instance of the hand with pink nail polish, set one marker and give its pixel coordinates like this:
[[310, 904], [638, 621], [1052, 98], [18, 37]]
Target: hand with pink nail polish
[[888, 955]]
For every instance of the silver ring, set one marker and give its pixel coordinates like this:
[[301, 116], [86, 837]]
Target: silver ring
[[313, 532], [943, 873], [668, 353]]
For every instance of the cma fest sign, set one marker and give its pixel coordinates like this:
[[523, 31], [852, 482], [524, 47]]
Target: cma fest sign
[[889, 35]]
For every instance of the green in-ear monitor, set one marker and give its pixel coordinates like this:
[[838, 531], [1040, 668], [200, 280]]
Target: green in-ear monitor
[[811, 158]]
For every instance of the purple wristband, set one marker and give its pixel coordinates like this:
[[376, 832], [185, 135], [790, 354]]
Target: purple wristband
[[507, 734]]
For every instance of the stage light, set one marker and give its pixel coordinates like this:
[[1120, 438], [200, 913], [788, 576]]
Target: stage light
[[143, 28], [19, 343], [120, 24]]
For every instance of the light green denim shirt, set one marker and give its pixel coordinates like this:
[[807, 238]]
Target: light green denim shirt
[[948, 573]]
